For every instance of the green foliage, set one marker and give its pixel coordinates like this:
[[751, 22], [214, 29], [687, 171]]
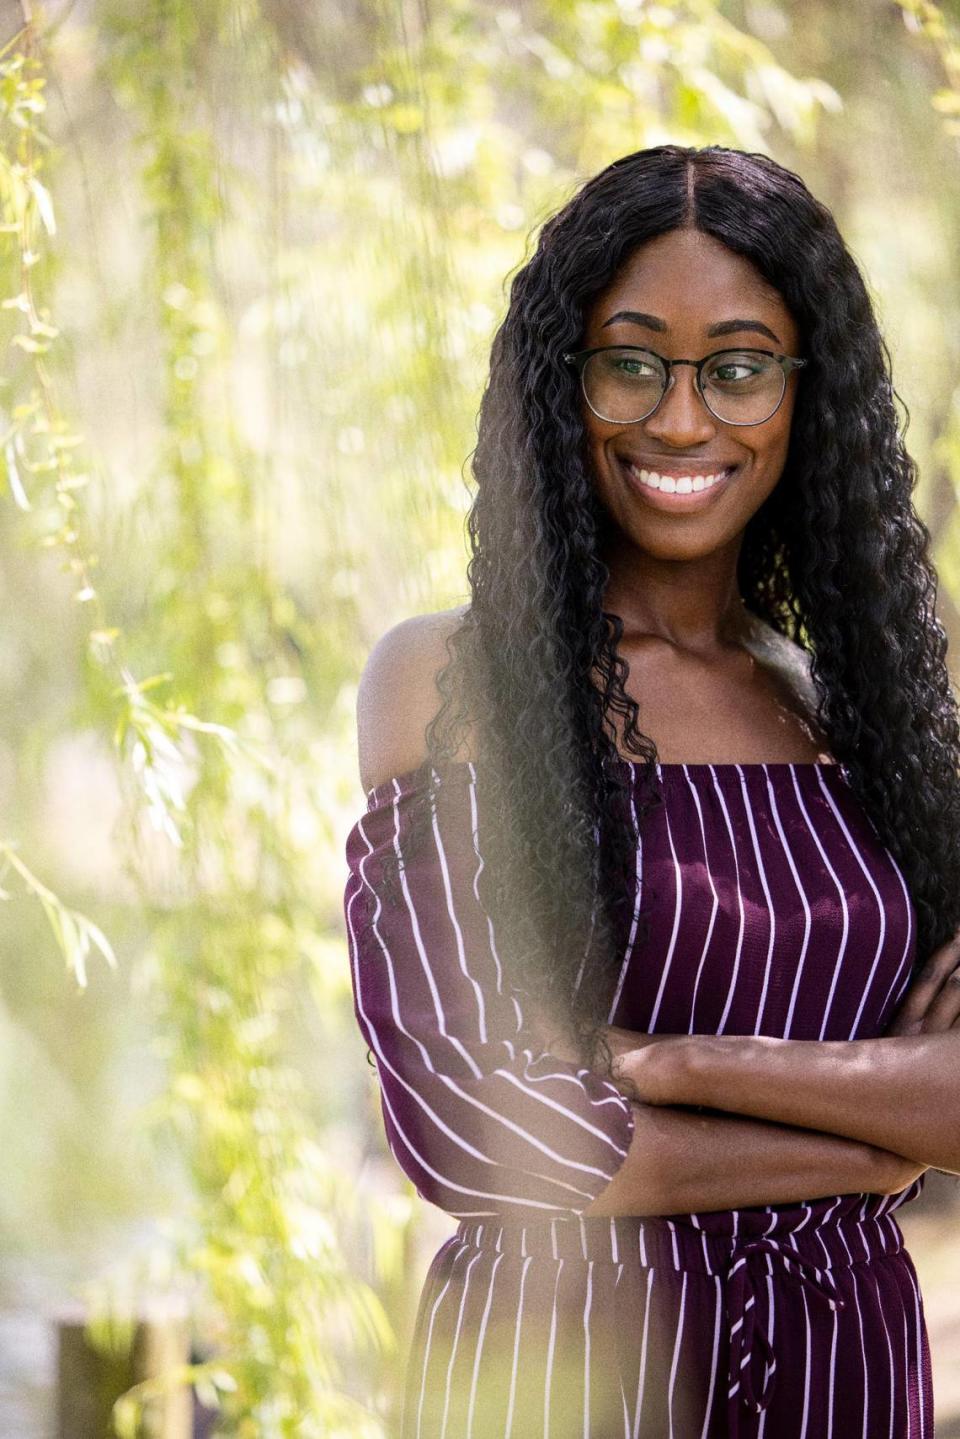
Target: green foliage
[[37, 443], [282, 1303], [327, 201], [271, 1205], [936, 25]]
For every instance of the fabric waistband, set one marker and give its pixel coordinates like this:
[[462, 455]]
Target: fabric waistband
[[682, 1244]]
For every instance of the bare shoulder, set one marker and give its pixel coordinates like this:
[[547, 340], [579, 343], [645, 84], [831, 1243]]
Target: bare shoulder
[[789, 661], [398, 696]]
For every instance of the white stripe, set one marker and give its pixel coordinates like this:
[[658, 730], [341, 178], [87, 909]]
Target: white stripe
[[691, 1027], [643, 1354], [456, 1341], [623, 1392], [824, 1223], [480, 1338], [880, 905], [677, 908], [452, 1039], [906, 1364], [516, 1351], [715, 1360], [461, 955], [676, 1352], [771, 908], [733, 848], [807, 916], [905, 966], [771, 1324], [695, 1220], [833, 1371], [918, 1317], [863, 1353], [842, 948], [476, 890], [425, 1362], [807, 1359], [587, 946], [548, 1379], [374, 926], [586, 1353], [475, 837], [886, 1332], [807, 1216], [638, 891]]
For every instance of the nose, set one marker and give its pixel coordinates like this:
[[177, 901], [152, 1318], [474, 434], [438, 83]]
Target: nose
[[682, 417]]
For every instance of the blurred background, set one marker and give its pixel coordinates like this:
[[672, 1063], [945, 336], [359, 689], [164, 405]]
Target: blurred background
[[252, 256]]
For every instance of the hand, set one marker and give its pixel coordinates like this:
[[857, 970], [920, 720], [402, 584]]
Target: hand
[[622, 1041], [932, 1003], [651, 1069], [557, 1040]]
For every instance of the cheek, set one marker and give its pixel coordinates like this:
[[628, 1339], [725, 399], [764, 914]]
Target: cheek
[[595, 440], [771, 448]]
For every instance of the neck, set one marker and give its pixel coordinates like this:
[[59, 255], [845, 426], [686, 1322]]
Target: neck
[[695, 605]]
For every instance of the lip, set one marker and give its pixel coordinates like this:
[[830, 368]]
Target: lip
[[677, 504]]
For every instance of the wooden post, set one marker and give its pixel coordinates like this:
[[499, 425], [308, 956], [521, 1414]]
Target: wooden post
[[90, 1378]]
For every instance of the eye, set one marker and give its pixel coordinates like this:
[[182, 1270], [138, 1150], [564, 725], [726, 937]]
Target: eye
[[632, 367], [734, 370], [742, 370]]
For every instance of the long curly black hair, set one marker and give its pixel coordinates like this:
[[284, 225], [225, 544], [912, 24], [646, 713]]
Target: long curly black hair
[[836, 559]]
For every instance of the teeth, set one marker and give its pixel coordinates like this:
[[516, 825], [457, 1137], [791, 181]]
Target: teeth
[[676, 484]]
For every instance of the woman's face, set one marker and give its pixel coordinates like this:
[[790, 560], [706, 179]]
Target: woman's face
[[685, 295]]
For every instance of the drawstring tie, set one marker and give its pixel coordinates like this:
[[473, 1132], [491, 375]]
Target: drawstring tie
[[746, 1333]]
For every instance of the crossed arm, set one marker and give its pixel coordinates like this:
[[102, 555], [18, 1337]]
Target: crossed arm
[[799, 1119]]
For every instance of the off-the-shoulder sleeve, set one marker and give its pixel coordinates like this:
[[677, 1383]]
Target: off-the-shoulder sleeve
[[478, 1115]]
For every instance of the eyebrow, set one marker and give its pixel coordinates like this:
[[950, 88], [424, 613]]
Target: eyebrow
[[724, 327]]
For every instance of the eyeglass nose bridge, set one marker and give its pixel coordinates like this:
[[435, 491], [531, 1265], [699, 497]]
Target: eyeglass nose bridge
[[696, 365]]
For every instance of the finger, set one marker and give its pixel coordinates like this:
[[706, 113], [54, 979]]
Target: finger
[[926, 987], [945, 1009]]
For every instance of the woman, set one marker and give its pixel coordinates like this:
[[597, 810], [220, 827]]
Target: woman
[[653, 912]]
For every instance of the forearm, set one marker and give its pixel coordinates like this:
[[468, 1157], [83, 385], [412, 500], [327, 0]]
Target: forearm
[[897, 1093], [681, 1163]]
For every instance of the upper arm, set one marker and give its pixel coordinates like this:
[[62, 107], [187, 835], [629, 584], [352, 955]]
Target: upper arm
[[480, 1116], [398, 696]]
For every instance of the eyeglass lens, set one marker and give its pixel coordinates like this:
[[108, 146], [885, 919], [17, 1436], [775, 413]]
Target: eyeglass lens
[[739, 386]]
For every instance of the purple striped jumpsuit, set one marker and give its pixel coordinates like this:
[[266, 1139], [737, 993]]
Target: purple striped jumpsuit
[[773, 909]]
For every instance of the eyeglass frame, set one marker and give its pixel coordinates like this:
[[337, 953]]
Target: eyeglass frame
[[787, 363]]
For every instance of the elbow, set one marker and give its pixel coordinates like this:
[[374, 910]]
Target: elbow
[[488, 1188], [528, 1147]]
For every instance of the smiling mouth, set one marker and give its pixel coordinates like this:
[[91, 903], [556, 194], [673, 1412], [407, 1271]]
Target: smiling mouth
[[692, 482]]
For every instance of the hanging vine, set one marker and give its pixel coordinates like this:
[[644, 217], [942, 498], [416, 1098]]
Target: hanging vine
[[277, 1304], [279, 1301]]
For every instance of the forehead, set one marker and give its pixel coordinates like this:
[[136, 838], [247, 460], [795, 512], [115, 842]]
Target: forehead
[[688, 278]]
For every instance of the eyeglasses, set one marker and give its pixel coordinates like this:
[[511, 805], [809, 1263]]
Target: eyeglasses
[[624, 384]]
